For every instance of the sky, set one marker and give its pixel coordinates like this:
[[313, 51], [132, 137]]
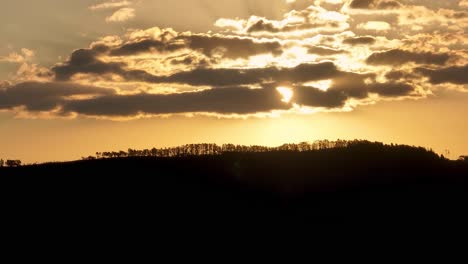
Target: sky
[[77, 77]]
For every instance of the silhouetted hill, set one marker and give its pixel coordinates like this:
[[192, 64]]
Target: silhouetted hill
[[358, 181]]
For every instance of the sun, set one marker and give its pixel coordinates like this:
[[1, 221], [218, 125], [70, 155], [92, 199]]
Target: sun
[[286, 92]]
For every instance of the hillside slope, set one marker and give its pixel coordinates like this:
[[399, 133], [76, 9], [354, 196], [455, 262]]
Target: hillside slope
[[339, 184]]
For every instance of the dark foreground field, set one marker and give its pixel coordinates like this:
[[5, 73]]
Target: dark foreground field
[[357, 183]]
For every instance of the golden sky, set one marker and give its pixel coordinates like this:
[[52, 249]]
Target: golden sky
[[78, 77]]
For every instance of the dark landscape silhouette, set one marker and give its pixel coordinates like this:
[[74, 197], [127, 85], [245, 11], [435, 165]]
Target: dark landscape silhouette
[[323, 181]]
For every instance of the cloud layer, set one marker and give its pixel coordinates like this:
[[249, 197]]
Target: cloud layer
[[332, 55]]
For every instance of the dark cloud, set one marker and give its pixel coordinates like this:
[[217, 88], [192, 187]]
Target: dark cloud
[[378, 4], [229, 47], [266, 26], [262, 25], [398, 56], [460, 15], [454, 74], [85, 61], [359, 41], [391, 89], [337, 96], [184, 61], [232, 100], [361, 3], [37, 96], [228, 100], [352, 84], [143, 46], [323, 51], [388, 4], [67, 97], [359, 86], [310, 96], [228, 77], [232, 47], [189, 61], [400, 75], [395, 75]]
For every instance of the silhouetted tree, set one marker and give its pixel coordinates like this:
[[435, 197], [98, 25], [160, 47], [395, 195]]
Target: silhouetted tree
[[13, 163], [2, 163]]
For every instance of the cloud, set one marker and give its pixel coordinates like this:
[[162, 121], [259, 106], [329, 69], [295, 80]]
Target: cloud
[[37, 96], [207, 76], [309, 21], [391, 89], [377, 4], [454, 74], [226, 77], [85, 61], [367, 40], [262, 25], [24, 56], [229, 93], [68, 98], [361, 3], [230, 47], [375, 25], [398, 75], [146, 46], [329, 53], [65, 99], [232, 100], [310, 96], [110, 5], [121, 15], [122, 10], [399, 56], [324, 51]]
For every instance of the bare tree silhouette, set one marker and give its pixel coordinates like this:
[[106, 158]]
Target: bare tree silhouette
[[205, 149], [13, 163]]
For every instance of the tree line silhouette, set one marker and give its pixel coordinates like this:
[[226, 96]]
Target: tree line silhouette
[[214, 149]]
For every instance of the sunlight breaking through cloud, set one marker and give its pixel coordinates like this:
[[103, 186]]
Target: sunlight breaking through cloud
[[325, 55], [286, 93]]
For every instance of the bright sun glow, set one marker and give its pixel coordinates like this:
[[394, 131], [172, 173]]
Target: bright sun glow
[[322, 85], [286, 92]]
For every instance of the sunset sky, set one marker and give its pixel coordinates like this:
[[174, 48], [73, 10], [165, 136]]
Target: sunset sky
[[82, 76]]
